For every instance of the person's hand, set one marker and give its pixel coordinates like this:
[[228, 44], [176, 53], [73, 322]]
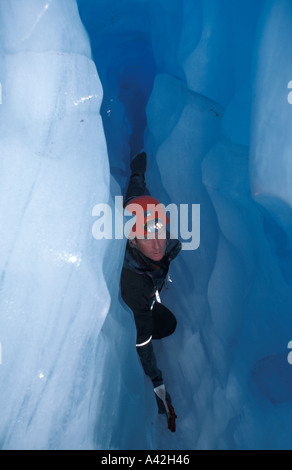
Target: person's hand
[[165, 407]]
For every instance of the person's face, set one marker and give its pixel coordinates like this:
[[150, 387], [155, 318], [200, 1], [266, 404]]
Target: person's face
[[152, 247]]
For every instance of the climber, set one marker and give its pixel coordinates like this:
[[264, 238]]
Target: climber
[[148, 254]]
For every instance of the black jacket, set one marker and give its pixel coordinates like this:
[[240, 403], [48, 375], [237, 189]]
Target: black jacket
[[140, 279]]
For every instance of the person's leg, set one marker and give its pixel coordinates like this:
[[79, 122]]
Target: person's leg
[[164, 321]]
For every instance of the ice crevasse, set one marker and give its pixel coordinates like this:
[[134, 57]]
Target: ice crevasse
[[205, 86]]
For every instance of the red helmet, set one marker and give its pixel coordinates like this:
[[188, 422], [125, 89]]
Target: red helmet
[[150, 214]]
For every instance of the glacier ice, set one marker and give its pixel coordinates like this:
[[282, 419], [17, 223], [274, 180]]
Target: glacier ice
[[205, 87]]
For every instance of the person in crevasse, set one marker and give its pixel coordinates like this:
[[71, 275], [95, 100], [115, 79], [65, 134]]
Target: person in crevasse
[[149, 251]]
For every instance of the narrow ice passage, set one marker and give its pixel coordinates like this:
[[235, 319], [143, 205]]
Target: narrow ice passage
[[205, 87]]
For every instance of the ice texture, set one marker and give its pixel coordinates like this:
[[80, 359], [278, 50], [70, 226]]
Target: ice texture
[[204, 86]]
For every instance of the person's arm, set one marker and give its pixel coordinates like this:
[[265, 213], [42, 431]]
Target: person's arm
[[133, 294], [148, 361], [137, 185]]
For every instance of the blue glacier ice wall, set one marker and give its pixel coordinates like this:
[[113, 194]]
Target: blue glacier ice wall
[[54, 296], [205, 86]]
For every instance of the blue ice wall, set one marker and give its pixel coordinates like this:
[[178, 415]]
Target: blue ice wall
[[205, 86], [217, 133]]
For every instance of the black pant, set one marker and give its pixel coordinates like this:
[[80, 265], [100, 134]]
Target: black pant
[[164, 321]]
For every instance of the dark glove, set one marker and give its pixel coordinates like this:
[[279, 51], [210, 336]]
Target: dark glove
[[139, 164]]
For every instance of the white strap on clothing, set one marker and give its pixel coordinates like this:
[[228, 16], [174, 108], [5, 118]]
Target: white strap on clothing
[[157, 299], [144, 344], [158, 296]]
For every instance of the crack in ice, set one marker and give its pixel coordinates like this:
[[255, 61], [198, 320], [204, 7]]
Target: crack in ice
[[39, 17]]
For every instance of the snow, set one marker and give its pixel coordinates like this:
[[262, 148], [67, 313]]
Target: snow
[[205, 87]]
